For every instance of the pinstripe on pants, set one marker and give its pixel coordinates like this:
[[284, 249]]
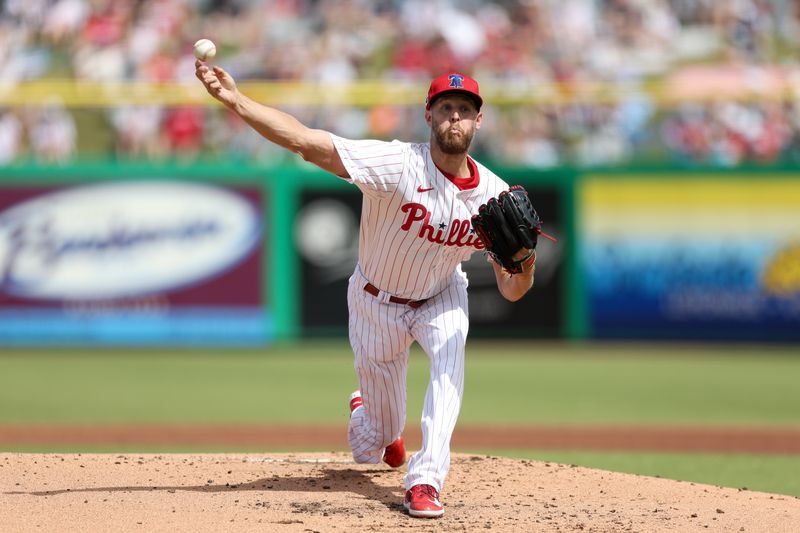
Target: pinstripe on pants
[[381, 334]]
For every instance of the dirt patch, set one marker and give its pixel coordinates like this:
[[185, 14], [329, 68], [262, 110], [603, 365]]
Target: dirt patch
[[328, 492], [763, 440]]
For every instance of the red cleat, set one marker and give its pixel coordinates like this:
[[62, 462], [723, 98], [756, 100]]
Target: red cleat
[[422, 501], [395, 453]]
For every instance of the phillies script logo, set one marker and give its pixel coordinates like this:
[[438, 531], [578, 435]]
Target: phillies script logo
[[460, 232]]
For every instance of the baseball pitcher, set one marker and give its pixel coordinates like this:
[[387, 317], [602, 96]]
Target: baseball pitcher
[[426, 208]]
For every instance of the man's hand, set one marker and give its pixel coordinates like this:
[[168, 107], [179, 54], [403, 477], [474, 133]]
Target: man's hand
[[509, 228], [523, 255], [218, 83], [514, 287]]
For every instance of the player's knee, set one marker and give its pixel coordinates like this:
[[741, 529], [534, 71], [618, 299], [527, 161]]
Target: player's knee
[[362, 458]]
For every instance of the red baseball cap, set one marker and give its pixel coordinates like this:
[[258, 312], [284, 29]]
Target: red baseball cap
[[453, 83]]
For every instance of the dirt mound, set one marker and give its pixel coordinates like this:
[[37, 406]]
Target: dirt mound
[[328, 492]]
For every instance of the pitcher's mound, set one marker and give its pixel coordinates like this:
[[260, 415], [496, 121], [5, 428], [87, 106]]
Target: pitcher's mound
[[328, 492]]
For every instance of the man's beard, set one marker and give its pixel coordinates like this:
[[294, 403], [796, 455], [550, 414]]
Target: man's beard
[[452, 144]]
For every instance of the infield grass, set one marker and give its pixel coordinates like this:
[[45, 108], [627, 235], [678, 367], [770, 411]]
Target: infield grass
[[533, 383], [513, 383], [772, 473]]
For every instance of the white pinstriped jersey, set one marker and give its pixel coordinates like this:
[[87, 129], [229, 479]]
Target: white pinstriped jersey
[[415, 223]]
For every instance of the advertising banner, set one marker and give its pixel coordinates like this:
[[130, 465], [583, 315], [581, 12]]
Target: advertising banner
[[326, 237], [133, 262], [704, 258]]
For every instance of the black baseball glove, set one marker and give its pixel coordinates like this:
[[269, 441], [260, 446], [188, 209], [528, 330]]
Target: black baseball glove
[[508, 224]]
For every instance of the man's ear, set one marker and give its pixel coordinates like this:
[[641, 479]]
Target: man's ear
[[478, 120], [428, 117]]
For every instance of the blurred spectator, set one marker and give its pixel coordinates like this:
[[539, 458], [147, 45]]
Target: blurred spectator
[[137, 132], [554, 49], [53, 136], [183, 130], [10, 136]]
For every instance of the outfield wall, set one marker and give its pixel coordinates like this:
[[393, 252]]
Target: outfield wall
[[235, 255]]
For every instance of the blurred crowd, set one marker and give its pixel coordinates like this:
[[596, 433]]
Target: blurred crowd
[[523, 44]]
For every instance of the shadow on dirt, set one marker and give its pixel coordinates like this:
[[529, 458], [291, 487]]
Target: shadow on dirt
[[359, 482]]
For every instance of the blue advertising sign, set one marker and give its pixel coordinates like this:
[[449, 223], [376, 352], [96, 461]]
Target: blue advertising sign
[[692, 259]]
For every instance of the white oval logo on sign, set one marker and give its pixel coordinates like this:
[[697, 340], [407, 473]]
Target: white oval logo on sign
[[123, 239]]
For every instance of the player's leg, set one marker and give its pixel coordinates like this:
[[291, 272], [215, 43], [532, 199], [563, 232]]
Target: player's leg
[[380, 340], [441, 330]]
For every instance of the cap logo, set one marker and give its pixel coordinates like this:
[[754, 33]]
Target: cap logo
[[456, 81]]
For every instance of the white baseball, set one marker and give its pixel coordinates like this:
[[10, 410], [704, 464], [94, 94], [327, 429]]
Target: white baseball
[[204, 49]]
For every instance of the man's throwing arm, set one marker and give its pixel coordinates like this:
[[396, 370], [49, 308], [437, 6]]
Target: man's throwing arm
[[313, 145]]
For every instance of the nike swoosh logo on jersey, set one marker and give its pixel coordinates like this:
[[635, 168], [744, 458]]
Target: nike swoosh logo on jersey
[[420, 189]]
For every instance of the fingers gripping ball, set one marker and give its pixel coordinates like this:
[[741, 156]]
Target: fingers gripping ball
[[204, 49], [508, 224]]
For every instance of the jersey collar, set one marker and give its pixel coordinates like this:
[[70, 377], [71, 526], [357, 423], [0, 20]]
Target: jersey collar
[[464, 184]]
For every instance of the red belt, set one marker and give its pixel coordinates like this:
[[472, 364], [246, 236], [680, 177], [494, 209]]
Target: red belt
[[375, 291]]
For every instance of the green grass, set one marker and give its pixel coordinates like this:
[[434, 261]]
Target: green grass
[[163, 386], [519, 383], [772, 473], [506, 384], [635, 384]]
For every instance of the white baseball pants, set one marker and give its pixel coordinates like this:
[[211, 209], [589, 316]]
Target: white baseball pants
[[381, 334]]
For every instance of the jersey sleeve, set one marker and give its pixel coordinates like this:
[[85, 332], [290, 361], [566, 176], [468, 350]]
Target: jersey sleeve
[[375, 167], [494, 183]]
